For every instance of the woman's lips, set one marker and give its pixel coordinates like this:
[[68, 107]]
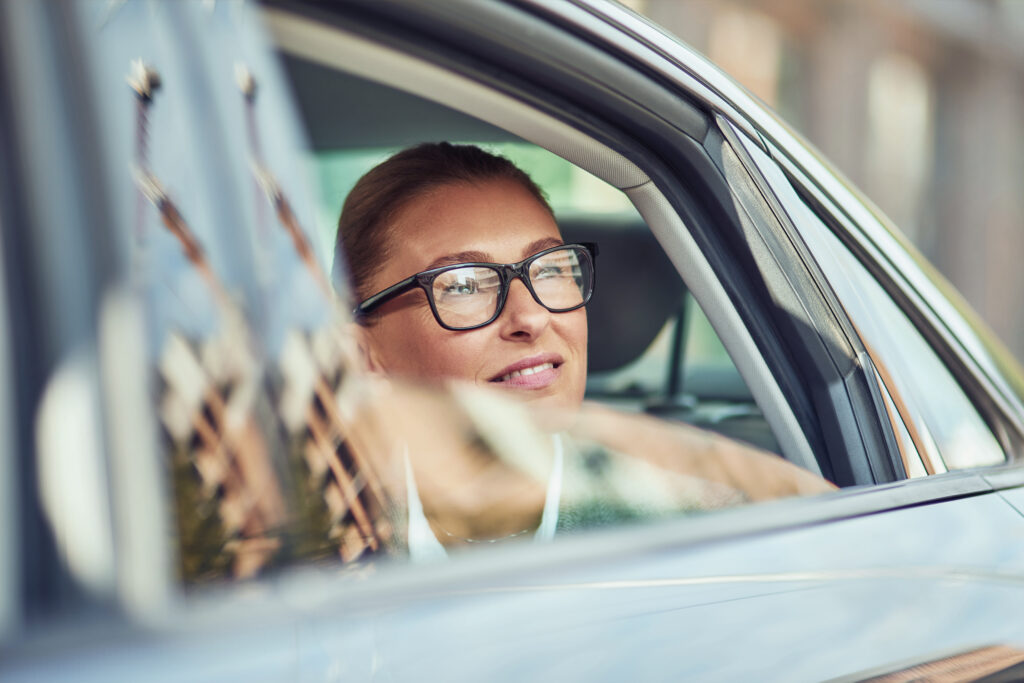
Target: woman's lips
[[536, 372]]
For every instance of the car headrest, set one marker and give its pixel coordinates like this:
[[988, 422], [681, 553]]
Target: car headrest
[[637, 288]]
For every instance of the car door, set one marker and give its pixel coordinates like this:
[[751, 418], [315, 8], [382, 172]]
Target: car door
[[804, 589]]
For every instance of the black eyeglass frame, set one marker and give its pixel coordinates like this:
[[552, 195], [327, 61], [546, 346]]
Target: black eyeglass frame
[[506, 271]]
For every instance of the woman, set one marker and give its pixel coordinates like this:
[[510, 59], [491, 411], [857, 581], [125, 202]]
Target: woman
[[438, 205], [461, 273]]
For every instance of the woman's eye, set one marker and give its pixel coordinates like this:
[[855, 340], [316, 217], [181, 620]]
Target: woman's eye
[[462, 288], [549, 271]]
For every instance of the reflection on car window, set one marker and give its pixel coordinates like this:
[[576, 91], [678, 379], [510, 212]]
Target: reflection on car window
[[950, 431], [244, 365]]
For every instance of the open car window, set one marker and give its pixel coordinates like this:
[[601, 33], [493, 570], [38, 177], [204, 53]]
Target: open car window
[[328, 65], [651, 347], [230, 381]]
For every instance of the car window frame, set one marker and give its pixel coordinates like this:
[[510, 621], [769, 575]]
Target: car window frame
[[859, 435]]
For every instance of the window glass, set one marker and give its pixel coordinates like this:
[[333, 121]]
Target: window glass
[[950, 431], [241, 361], [913, 463]]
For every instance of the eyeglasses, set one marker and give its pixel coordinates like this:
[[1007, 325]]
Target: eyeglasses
[[465, 296]]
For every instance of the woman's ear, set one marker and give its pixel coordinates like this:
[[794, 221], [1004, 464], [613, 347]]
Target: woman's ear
[[367, 350]]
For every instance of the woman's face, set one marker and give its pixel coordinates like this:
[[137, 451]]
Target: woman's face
[[496, 222]]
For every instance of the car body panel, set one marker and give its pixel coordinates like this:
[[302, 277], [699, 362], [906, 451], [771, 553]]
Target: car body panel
[[807, 604]]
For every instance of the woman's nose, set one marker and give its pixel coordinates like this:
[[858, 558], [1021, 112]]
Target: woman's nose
[[522, 317]]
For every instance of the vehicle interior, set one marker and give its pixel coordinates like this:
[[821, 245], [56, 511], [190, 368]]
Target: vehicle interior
[[652, 348]]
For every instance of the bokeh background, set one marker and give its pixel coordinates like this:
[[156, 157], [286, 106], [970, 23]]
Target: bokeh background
[[919, 102]]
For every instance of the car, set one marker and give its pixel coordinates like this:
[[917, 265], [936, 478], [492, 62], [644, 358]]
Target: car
[[184, 489]]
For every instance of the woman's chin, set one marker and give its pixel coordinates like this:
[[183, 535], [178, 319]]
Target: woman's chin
[[552, 412], [551, 408]]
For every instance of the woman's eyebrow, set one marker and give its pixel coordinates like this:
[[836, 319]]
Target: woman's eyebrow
[[540, 245], [459, 257], [481, 257]]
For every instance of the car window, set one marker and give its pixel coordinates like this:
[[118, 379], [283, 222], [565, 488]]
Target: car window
[[652, 348], [931, 408]]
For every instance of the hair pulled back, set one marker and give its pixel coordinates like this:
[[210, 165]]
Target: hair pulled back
[[363, 240]]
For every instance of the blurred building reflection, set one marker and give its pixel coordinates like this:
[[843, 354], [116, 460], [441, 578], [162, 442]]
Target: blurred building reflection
[[918, 102]]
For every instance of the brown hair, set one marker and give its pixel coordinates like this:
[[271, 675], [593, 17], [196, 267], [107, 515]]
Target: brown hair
[[363, 238]]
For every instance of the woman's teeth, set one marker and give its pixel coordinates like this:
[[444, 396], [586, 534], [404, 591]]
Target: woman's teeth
[[526, 371]]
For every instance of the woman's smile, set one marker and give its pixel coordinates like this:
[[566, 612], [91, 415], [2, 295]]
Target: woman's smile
[[535, 372]]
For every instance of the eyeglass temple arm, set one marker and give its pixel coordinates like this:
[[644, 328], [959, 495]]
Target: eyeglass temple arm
[[385, 295]]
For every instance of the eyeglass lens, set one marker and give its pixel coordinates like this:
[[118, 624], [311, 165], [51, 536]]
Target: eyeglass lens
[[469, 295]]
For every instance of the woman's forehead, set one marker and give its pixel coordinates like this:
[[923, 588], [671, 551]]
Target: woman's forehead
[[470, 256], [496, 220]]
